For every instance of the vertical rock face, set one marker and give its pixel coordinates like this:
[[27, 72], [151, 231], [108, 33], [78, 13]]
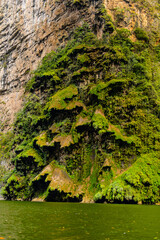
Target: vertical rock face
[[29, 29]]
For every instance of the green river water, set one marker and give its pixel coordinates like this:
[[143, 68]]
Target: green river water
[[71, 221]]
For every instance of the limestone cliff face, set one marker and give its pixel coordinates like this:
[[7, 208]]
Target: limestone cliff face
[[30, 29], [131, 14]]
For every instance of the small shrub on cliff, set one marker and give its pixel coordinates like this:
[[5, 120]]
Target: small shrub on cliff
[[141, 35]]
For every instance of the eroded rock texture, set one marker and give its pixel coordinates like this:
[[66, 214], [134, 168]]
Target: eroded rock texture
[[30, 29]]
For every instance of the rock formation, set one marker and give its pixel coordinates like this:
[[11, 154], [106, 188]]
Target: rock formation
[[31, 29], [89, 113]]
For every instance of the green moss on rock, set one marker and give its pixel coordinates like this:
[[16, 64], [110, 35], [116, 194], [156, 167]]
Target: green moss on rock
[[93, 102], [141, 182], [58, 100]]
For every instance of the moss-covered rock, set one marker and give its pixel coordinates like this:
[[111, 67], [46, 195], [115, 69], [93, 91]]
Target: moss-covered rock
[[93, 108], [141, 182], [56, 184], [58, 100]]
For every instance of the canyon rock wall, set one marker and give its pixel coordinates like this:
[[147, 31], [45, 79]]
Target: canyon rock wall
[[30, 29], [131, 14]]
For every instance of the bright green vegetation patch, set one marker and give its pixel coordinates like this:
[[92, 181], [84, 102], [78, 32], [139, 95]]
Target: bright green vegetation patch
[[6, 142], [99, 121], [100, 89], [28, 155], [92, 108], [58, 100], [140, 183]]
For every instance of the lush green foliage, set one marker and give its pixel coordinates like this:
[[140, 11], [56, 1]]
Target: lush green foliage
[[141, 34], [140, 183], [91, 102], [6, 143]]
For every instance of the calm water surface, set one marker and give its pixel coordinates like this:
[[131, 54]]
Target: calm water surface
[[71, 221]]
